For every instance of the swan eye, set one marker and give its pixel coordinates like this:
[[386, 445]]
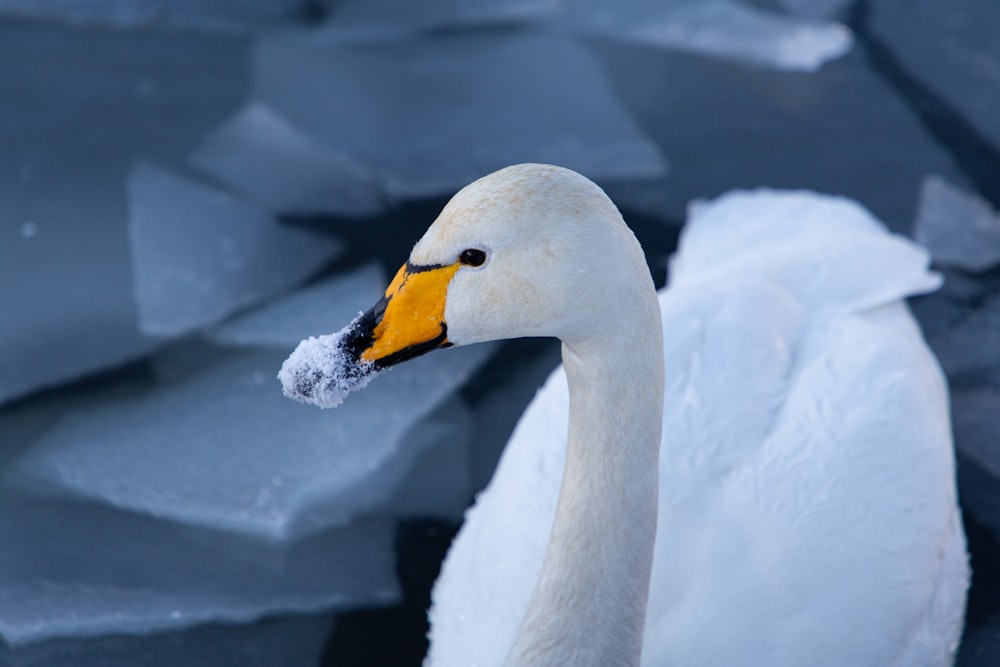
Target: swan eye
[[472, 257]]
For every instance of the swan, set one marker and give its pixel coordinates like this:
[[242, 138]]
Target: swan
[[774, 485]]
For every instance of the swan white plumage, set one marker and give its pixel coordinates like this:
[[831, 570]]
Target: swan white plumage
[[806, 499]]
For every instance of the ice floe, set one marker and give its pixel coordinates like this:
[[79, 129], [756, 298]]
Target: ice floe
[[223, 449], [429, 116], [959, 228], [200, 254], [270, 162]]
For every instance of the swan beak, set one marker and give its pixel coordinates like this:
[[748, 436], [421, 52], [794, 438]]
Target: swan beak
[[408, 320]]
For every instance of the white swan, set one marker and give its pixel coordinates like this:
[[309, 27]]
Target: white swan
[[807, 507]]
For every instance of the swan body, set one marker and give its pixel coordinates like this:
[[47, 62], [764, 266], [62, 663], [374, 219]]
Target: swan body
[[802, 510]]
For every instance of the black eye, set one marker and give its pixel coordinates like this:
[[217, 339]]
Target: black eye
[[472, 257]]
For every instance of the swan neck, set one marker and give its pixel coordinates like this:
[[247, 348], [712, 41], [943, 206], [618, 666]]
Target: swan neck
[[589, 605]]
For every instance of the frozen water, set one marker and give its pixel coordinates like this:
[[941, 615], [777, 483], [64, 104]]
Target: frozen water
[[294, 641], [199, 254], [959, 228], [222, 448], [66, 286], [262, 156], [777, 129], [952, 47], [319, 307], [976, 420], [431, 115], [78, 570], [817, 9], [224, 15], [386, 18], [719, 28], [973, 342]]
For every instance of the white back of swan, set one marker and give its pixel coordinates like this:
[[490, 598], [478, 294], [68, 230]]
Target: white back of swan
[[807, 511]]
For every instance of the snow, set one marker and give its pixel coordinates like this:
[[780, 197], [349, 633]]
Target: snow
[[321, 372], [261, 155], [200, 254], [461, 106], [959, 228], [220, 447]]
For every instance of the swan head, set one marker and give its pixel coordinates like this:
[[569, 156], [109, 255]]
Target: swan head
[[530, 250]]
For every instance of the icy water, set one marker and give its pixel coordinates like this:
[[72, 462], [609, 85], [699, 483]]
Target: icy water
[[188, 189]]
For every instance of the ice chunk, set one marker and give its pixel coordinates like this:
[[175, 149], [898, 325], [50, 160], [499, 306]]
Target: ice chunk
[[773, 127], [222, 448], [817, 9], [66, 281], [260, 154], [199, 254], [720, 28], [214, 16], [961, 69], [972, 343], [960, 229], [437, 113], [318, 307], [976, 420], [384, 18], [79, 570], [293, 641]]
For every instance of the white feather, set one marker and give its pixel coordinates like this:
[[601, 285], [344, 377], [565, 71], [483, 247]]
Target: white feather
[[807, 511]]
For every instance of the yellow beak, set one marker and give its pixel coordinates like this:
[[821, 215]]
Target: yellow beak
[[408, 320]]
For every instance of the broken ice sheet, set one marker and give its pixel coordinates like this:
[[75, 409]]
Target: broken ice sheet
[[720, 28], [817, 9], [973, 342], [959, 228], [320, 307], [225, 17], [976, 420], [260, 154], [199, 254], [778, 130], [288, 641], [71, 569], [430, 115], [386, 18], [952, 48], [222, 448]]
